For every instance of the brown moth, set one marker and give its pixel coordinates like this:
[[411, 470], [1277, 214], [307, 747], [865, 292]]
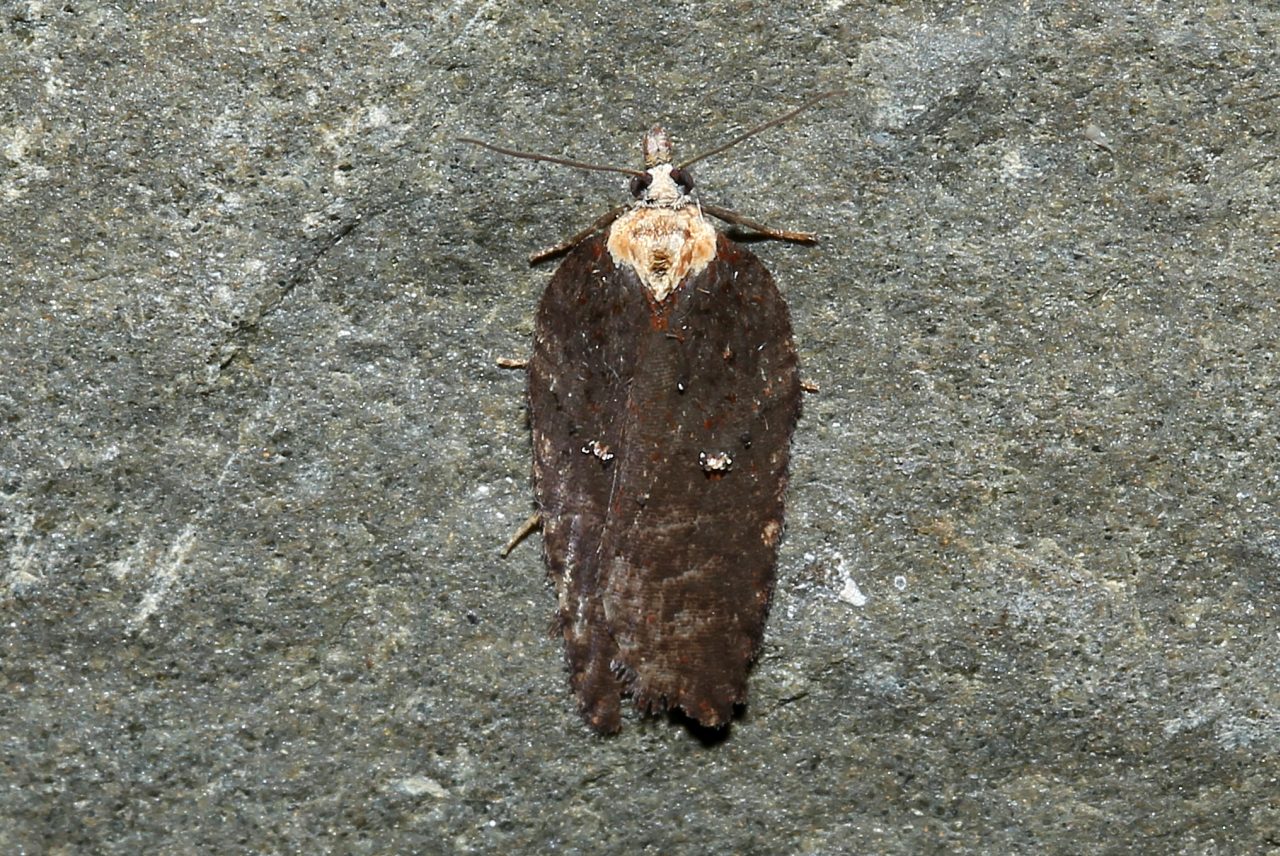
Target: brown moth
[[663, 392]]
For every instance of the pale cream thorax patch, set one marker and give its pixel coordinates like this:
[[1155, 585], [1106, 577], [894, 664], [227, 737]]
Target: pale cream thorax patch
[[664, 238]]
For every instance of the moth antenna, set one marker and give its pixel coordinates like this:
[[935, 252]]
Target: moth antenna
[[549, 158], [766, 126]]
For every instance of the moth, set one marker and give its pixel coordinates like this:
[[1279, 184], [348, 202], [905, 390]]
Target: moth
[[663, 392]]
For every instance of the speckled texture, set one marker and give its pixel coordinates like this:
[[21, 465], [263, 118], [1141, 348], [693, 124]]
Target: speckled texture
[[256, 460]]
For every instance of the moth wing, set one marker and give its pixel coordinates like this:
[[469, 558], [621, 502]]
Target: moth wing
[[583, 353], [688, 550]]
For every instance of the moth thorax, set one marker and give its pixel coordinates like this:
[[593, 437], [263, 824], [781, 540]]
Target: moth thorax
[[661, 263]]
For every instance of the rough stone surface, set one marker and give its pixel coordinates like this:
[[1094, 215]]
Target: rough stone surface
[[256, 460]]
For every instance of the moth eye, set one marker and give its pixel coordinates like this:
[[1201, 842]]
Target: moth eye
[[640, 183], [683, 178]]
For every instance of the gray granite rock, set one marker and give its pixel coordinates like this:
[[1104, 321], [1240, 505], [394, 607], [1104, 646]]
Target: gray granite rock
[[256, 460]]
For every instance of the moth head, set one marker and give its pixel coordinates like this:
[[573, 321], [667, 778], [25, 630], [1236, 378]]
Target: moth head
[[657, 147], [661, 184]]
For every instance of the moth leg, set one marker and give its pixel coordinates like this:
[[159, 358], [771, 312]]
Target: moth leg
[[777, 234], [573, 241], [512, 363], [534, 521]]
